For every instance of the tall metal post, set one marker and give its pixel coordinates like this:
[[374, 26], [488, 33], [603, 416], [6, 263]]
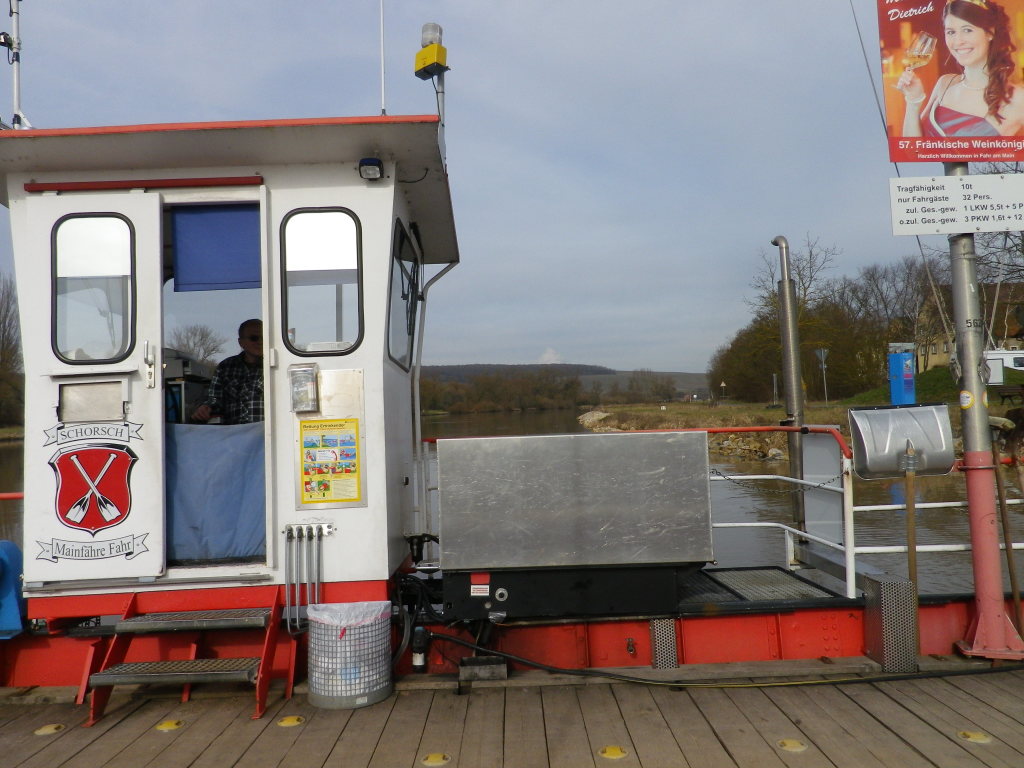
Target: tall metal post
[[791, 381], [18, 120], [991, 633]]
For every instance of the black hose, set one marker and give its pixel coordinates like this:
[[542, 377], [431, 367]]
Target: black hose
[[690, 684]]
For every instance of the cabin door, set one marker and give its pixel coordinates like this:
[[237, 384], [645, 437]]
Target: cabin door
[[94, 503]]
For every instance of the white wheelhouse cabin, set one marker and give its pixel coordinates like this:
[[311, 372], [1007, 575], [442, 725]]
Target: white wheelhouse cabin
[[112, 227]]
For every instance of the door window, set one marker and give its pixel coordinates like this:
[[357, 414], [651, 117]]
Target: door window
[[94, 286]]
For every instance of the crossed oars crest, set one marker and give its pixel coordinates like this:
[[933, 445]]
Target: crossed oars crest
[[106, 507]]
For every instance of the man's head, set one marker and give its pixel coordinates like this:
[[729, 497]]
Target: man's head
[[250, 339]]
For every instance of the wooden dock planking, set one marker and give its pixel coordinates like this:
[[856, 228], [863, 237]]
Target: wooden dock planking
[[319, 736], [693, 733], [482, 739], [888, 747], [733, 728], [835, 739], [981, 688], [229, 746], [605, 727], [106, 749], [652, 738], [568, 745], [359, 740], [276, 741], [919, 733], [442, 734], [774, 726], [202, 722], [401, 737], [525, 740], [989, 717], [950, 722], [897, 724]]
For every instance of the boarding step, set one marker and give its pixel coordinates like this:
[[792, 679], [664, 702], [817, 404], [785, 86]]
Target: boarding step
[[179, 672], [229, 618], [150, 635]]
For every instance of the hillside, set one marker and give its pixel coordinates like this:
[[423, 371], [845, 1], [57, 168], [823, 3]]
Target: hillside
[[588, 374]]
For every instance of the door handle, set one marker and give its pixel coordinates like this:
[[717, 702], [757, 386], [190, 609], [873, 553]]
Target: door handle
[[149, 359]]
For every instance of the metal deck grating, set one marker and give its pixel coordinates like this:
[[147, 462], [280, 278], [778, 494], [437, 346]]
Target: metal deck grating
[[183, 671], [769, 584], [699, 587], [231, 618]]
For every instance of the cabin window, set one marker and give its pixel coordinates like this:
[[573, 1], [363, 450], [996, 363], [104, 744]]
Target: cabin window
[[321, 264], [94, 287], [402, 302]]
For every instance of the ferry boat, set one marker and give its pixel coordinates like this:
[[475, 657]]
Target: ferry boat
[[157, 550]]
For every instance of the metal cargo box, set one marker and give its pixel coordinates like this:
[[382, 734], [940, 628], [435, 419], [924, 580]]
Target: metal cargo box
[[565, 501]]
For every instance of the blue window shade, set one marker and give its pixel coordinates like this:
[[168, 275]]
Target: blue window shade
[[216, 247]]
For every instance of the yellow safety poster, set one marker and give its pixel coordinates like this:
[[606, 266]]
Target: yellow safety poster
[[330, 461]]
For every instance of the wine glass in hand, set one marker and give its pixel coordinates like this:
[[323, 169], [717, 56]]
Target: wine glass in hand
[[920, 51]]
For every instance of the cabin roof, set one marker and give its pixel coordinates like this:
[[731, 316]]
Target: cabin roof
[[411, 141]]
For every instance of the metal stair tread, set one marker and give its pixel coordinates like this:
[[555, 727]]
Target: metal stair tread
[[230, 618], [242, 670]]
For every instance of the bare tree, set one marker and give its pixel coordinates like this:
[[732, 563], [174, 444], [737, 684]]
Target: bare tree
[[200, 342], [807, 269], [10, 330]]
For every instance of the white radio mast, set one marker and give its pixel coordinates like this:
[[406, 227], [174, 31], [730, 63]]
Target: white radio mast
[[383, 107], [13, 43]]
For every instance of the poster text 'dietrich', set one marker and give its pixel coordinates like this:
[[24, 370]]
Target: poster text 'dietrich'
[[951, 79]]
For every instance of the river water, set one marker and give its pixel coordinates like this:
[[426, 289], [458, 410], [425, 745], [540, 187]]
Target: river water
[[759, 501]]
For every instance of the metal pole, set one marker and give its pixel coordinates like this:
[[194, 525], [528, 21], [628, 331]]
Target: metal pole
[[383, 100], [991, 633], [17, 119], [791, 382]]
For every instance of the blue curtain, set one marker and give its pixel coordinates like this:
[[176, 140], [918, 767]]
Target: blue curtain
[[215, 492], [216, 247]]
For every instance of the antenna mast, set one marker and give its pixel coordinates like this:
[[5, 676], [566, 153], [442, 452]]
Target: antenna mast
[[13, 43], [383, 108]]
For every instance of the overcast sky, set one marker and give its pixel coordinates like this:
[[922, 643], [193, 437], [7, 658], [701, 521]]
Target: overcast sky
[[617, 168]]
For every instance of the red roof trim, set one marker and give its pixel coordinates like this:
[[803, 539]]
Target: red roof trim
[[110, 130], [82, 186]]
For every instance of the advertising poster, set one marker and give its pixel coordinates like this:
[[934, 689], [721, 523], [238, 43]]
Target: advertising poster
[[952, 79], [330, 461]]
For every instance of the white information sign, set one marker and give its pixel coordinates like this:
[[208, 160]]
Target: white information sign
[[957, 204]]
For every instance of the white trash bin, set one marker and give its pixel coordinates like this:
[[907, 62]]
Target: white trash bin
[[349, 654]]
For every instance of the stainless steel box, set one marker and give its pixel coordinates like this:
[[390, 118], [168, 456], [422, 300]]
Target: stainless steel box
[[574, 500]]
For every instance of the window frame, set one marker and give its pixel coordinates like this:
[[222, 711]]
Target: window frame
[[402, 235], [131, 325], [285, 285]]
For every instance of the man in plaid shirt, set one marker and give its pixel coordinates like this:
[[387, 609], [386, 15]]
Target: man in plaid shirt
[[236, 389]]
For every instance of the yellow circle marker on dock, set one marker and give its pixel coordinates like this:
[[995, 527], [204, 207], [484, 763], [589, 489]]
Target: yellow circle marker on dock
[[436, 758], [791, 745], [974, 736], [48, 730], [169, 725], [291, 721], [612, 752]]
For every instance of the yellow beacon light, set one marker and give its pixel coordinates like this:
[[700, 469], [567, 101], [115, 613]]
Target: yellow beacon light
[[432, 58]]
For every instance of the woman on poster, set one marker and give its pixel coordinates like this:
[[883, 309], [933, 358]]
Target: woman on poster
[[980, 100]]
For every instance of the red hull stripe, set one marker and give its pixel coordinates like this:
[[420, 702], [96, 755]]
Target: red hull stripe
[[110, 130], [83, 186]]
